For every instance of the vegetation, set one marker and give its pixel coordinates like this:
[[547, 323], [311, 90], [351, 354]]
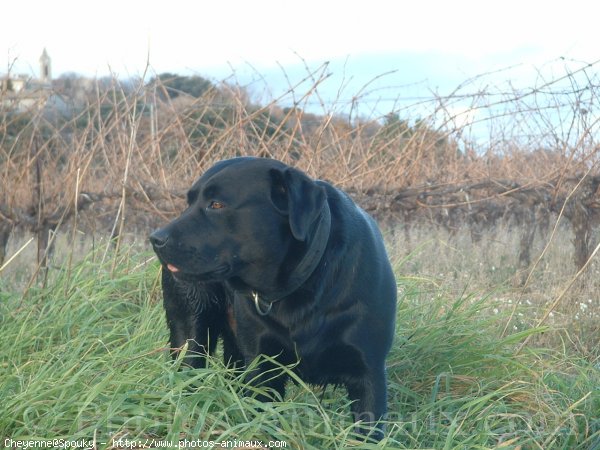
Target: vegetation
[[498, 331], [85, 358], [172, 85]]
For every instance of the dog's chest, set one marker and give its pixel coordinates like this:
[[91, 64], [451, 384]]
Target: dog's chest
[[309, 335]]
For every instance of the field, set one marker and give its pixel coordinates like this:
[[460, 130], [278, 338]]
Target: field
[[494, 249], [85, 358]]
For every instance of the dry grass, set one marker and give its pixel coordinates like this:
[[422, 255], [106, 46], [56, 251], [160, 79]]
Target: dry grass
[[139, 143]]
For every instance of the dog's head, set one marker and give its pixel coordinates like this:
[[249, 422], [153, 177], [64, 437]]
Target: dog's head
[[246, 218]]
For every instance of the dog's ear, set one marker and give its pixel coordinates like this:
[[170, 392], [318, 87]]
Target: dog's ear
[[299, 197]]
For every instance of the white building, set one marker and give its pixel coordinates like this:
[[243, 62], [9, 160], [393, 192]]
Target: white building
[[24, 93]]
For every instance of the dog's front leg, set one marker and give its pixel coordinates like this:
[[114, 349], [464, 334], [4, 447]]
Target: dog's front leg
[[187, 325], [369, 394], [267, 380]]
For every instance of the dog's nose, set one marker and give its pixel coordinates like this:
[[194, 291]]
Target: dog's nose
[[159, 238]]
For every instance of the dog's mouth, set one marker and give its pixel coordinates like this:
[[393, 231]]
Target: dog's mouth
[[172, 268], [186, 263], [218, 273]]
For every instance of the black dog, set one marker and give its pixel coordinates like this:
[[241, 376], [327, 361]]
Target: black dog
[[278, 264]]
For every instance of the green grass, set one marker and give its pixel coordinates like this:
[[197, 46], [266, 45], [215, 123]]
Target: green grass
[[85, 358]]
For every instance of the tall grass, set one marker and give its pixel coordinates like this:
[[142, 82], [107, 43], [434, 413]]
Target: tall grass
[[85, 358]]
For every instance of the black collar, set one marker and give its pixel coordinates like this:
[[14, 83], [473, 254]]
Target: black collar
[[305, 267]]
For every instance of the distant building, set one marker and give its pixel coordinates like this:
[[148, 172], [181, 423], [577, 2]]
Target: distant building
[[45, 68], [13, 84], [22, 93]]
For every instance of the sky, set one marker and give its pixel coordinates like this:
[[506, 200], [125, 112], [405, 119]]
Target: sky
[[380, 49]]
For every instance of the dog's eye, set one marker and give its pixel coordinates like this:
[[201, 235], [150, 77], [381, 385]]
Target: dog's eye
[[216, 205]]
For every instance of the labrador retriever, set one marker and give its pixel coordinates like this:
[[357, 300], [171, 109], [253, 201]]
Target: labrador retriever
[[275, 263]]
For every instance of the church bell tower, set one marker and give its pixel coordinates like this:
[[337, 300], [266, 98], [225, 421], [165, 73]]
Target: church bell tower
[[45, 68]]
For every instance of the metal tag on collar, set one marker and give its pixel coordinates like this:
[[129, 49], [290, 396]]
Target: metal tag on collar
[[258, 307]]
